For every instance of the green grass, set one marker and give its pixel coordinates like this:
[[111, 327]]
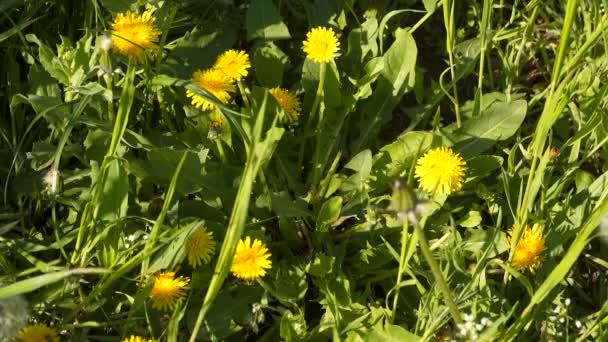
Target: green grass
[[516, 88]]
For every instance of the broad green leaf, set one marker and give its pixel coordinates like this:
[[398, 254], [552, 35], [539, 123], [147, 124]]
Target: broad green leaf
[[472, 219], [57, 68], [362, 42], [329, 213], [290, 284], [391, 333], [396, 79], [362, 165], [394, 159], [268, 64], [499, 122], [265, 22], [479, 167], [54, 111], [284, 206], [115, 197], [199, 49]]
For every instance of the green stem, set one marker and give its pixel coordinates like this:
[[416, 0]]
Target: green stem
[[311, 116], [401, 268], [441, 283], [456, 102], [244, 94], [220, 150]]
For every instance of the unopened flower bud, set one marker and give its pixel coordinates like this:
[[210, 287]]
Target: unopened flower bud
[[106, 43], [53, 181]]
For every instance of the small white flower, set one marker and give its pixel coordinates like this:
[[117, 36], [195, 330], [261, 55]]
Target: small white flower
[[562, 319], [468, 317], [463, 332], [479, 327], [567, 301], [578, 324], [145, 237], [557, 309], [552, 318], [486, 321]]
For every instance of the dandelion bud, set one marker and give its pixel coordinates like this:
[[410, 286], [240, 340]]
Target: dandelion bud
[[106, 43], [53, 181]]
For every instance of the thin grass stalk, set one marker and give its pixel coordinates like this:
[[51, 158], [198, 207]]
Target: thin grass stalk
[[553, 106], [236, 225], [437, 274], [485, 21], [161, 217], [313, 110], [448, 18]]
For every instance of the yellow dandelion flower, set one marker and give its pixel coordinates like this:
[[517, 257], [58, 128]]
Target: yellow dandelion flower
[[200, 246], [37, 333], [440, 171], [250, 260], [133, 34], [529, 249], [213, 81], [233, 64], [134, 338], [167, 290], [289, 102], [321, 44]]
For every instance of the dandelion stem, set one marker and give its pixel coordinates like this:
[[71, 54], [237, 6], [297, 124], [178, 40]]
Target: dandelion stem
[[401, 268], [441, 283], [244, 94], [311, 116], [220, 150]]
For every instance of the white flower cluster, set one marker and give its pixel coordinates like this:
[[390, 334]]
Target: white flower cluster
[[559, 321], [470, 329]]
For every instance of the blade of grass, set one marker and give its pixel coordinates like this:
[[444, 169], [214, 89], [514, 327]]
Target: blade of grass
[[161, 217], [34, 283], [259, 153]]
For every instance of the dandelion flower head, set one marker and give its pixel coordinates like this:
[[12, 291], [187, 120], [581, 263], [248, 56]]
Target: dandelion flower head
[[529, 249], [321, 44], [167, 290], [37, 333], [233, 63], [200, 246], [213, 81], [440, 171], [133, 34], [289, 102], [134, 338], [250, 260]]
